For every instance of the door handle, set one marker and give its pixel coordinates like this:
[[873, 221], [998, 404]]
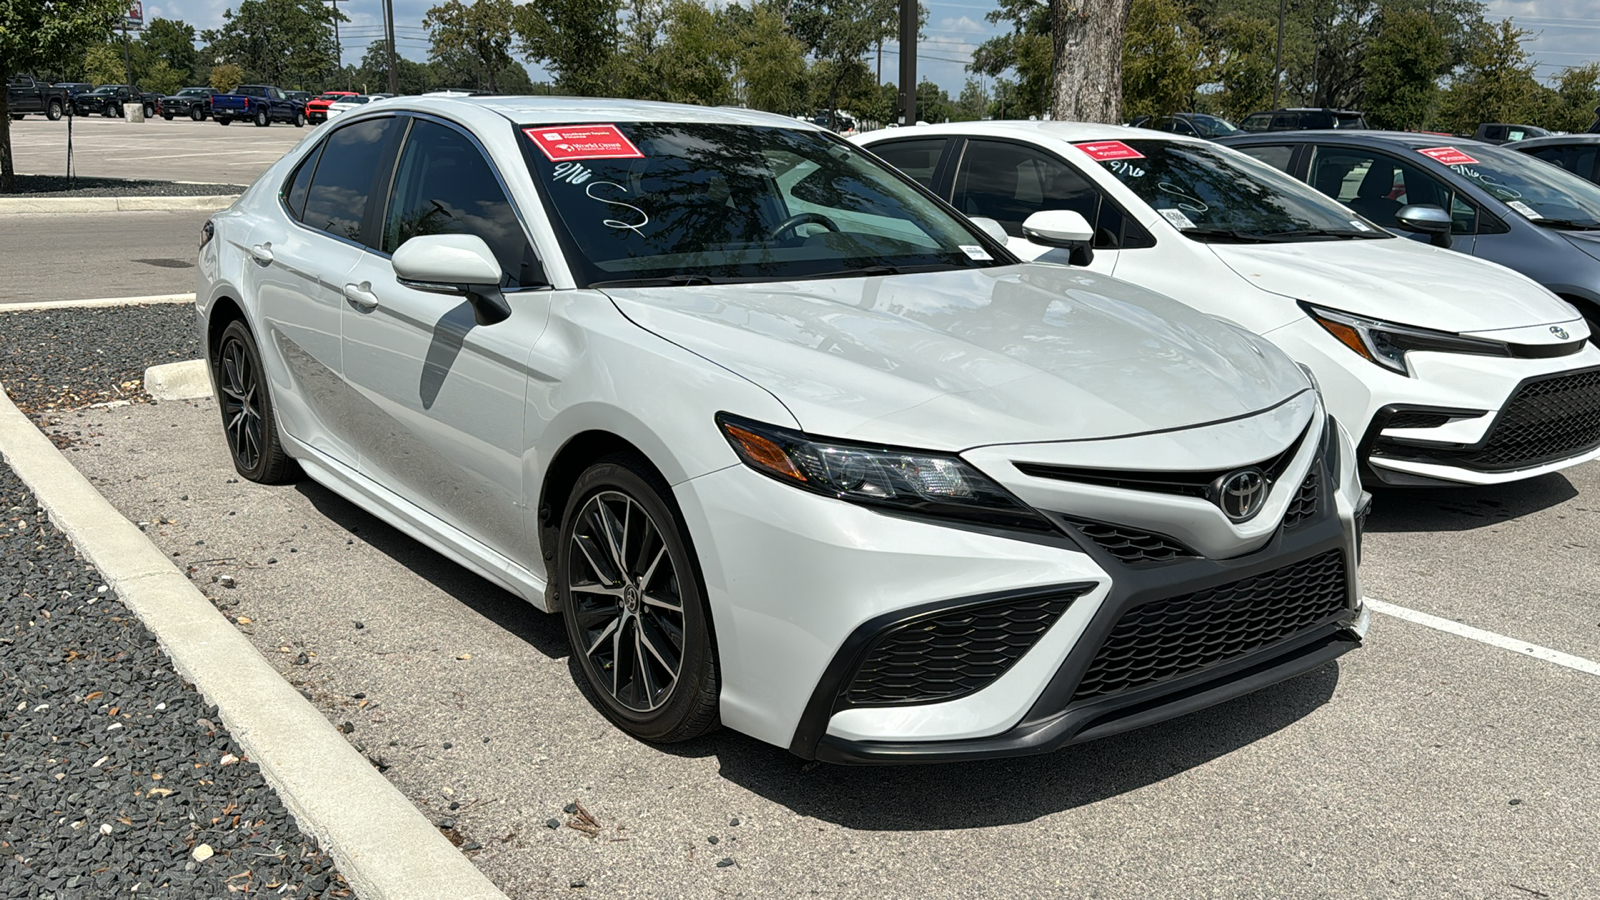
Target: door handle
[[361, 296], [262, 252]]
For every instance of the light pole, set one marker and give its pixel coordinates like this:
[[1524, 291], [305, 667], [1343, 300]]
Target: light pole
[[908, 62], [388, 21]]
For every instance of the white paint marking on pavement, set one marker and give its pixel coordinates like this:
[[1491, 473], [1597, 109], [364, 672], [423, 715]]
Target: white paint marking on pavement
[[109, 301], [1523, 648]]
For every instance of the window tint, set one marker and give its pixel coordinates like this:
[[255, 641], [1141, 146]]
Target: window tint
[[1009, 182], [1286, 121], [294, 194], [1377, 186], [917, 159], [1576, 158], [445, 186], [1256, 122], [337, 200], [1277, 156]]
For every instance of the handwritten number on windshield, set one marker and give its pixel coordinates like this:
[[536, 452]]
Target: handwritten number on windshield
[[615, 223]]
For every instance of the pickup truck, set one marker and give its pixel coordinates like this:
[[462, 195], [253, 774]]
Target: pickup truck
[[317, 107], [109, 99], [194, 102], [257, 103], [25, 95]]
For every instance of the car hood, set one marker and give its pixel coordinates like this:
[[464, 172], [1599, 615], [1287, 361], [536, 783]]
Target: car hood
[[954, 360], [1399, 280]]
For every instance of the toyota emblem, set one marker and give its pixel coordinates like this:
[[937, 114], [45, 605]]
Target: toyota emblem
[[1241, 494], [1559, 332]]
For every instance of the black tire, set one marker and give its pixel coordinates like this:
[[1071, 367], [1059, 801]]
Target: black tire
[[197, 114], [18, 117], [224, 120], [263, 119], [149, 112], [299, 120], [248, 422], [53, 111], [107, 111], [628, 591]]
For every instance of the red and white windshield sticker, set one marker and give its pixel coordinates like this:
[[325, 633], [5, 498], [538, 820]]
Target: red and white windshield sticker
[[1450, 156], [564, 142], [1105, 151]]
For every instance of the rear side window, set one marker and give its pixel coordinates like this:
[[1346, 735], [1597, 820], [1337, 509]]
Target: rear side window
[[1576, 158], [337, 199], [1256, 122], [294, 194], [1277, 156], [444, 185], [917, 159]]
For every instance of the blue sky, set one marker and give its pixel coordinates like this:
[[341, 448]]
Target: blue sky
[[1567, 32]]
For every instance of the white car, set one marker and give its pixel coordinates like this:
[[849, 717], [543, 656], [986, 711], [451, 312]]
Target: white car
[[1452, 370], [790, 446], [339, 107]]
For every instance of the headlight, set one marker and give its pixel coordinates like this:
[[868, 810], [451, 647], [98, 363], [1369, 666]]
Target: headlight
[[1387, 344], [911, 481]]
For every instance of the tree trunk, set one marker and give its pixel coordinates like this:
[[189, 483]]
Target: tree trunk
[[1087, 82], [8, 172]]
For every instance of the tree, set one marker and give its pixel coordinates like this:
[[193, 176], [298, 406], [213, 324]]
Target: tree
[[1242, 61], [768, 60], [226, 77], [696, 56], [1496, 84], [288, 43], [933, 104], [1401, 69], [575, 40], [1086, 83], [838, 33], [1027, 52], [33, 34], [476, 37], [1577, 96], [1162, 59], [973, 103], [103, 64], [411, 77], [172, 42], [161, 79]]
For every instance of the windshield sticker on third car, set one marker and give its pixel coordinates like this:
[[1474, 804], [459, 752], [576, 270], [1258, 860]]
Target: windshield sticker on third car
[[976, 252], [1359, 225], [563, 142], [1525, 209], [1177, 218], [1450, 156], [1105, 151]]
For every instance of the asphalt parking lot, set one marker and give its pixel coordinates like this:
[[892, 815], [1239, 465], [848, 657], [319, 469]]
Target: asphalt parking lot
[[83, 256], [1423, 765], [180, 150]]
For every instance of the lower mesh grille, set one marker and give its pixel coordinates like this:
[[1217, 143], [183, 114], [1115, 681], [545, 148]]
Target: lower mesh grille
[[1545, 420], [948, 655], [1304, 503], [1132, 545], [1168, 638]]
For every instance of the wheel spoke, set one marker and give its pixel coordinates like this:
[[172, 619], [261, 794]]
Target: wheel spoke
[[583, 542], [650, 571], [616, 660], [606, 519], [667, 604], [644, 637], [601, 589], [646, 686], [604, 633]]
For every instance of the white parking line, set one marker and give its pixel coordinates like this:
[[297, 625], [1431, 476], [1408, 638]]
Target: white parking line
[[1486, 637], [109, 301]]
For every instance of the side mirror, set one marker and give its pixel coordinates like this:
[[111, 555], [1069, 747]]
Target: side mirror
[[990, 227], [1429, 220], [456, 264], [1062, 228]]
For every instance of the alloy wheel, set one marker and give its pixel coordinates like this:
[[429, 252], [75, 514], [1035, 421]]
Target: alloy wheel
[[241, 408], [625, 593]]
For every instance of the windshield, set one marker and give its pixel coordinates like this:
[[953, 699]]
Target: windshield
[[1545, 194], [1211, 126], [1211, 194], [658, 203]]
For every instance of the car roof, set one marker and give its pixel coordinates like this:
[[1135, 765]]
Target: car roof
[[556, 110], [1072, 132], [1354, 136], [1556, 140]]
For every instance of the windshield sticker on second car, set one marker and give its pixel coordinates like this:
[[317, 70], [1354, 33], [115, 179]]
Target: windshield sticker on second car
[[563, 142], [1359, 225], [1525, 209], [1450, 156], [976, 252], [1177, 218], [1105, 151]]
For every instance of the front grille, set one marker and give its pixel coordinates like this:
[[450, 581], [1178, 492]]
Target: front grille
[[952, 654], [1131, 545], [1186, 484], [1545, 420], [1168, 638], [1303, 505]]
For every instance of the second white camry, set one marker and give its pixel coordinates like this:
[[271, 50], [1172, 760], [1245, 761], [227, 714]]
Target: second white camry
[[1450, 369]]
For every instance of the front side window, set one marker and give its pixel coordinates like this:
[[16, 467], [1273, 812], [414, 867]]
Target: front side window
[[1211, 194], [1575, 158], [685, 203], [1278, 156], [444, 185], [917, 159], [1378, 186], [1257, 122], [1545, 195], [336, 202], [1009, 182]]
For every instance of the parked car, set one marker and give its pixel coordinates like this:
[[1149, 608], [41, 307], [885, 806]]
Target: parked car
[[73, 89], [258, 103], [1452, 370], [25, 95], [1501, 133], [110, 99], [299, 96], [789, 445], [345, 104], [317, 107], [1192, 124], [1301, 118], [1503, 205], [1577, 153], [194, 102]]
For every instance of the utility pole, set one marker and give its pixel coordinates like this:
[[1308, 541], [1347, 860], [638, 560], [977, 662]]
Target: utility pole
[[908, 62], [338, 53], [1277, 71], [388, 21]]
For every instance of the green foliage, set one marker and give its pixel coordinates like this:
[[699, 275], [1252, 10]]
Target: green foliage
[[287, 43], [933, 104], [1162, 59], [1027, 54], [161, 79], [472, 39], [1577, 94], [226, 77], [770, 61], [1242, 52], [575, 40], [103, 64], [1496, 84], [1401, 70], [839, 33], [171, 42], [973, 104]]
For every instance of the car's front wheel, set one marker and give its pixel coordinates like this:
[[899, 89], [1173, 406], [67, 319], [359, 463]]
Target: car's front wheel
[[197, 114], [299, 120], [248, 421], [634, 607], [262, 118]]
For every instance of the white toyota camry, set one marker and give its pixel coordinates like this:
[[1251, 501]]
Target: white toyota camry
[[789, 445], [1449, 369]]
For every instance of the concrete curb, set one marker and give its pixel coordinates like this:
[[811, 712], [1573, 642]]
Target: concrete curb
[[384, 846], [188, 380], [85, 304], [58, 205]]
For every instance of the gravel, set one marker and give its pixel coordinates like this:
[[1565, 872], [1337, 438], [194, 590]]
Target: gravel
[[57, 360], [116, 776], [59, 186]]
